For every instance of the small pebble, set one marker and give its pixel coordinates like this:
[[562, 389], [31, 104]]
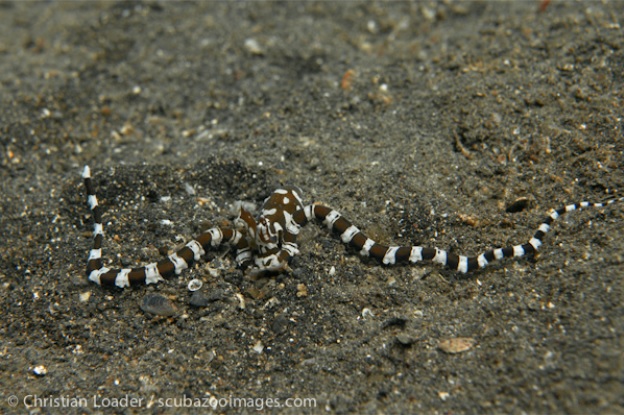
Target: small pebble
[[406, 339], [158, 305], [310, 361], [216, 295], [280, 325], [40, 370], [457, 344], [518, 205], [198, 299], [302, 290]]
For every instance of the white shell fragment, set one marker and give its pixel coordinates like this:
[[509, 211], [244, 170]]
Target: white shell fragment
[[367, 312], [253, 46], [195, 284], [258, 347]]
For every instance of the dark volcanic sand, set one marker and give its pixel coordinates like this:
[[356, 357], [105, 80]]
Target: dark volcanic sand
[[452, 111]]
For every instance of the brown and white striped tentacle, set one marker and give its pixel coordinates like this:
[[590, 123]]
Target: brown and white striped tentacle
[[390, 255], [270, 241], [152, 273]]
